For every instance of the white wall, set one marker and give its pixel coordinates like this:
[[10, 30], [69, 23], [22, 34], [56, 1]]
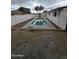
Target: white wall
[[63, 19], [15, 19], [53, 18], [59, 20], [44, 15]]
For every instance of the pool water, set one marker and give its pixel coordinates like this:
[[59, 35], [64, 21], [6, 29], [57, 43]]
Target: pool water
[[39, 21]]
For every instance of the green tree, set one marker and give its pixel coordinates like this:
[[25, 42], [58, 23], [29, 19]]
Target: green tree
[[39, 8]]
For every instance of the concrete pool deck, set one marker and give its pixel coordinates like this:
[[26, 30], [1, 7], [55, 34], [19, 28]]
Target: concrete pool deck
[[29, 25]]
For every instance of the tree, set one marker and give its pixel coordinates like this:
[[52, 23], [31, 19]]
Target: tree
[[39, 8], [36, 8]]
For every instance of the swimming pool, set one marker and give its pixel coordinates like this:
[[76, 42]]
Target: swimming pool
[[39, 23]]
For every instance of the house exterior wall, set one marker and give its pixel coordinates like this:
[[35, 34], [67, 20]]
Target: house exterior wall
[[60, 19], [45, 14], [63, 18], [52, 18], [16, 19]]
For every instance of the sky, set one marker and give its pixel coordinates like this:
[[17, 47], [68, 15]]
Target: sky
[[48, 4]]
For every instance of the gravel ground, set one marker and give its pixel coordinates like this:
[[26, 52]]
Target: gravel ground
[[39, 44]]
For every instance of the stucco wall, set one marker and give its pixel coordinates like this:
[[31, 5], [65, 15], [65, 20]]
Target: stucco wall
[[63, 18], [53, 18], [15, 19], [59, 20]]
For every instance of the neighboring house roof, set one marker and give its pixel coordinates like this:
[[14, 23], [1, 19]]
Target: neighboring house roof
[[59, 8], [20, 12]]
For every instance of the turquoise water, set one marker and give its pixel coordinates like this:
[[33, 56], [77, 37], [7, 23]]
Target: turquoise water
[[39, 21]]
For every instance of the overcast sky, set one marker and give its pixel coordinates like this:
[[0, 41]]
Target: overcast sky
[[15, 4]]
